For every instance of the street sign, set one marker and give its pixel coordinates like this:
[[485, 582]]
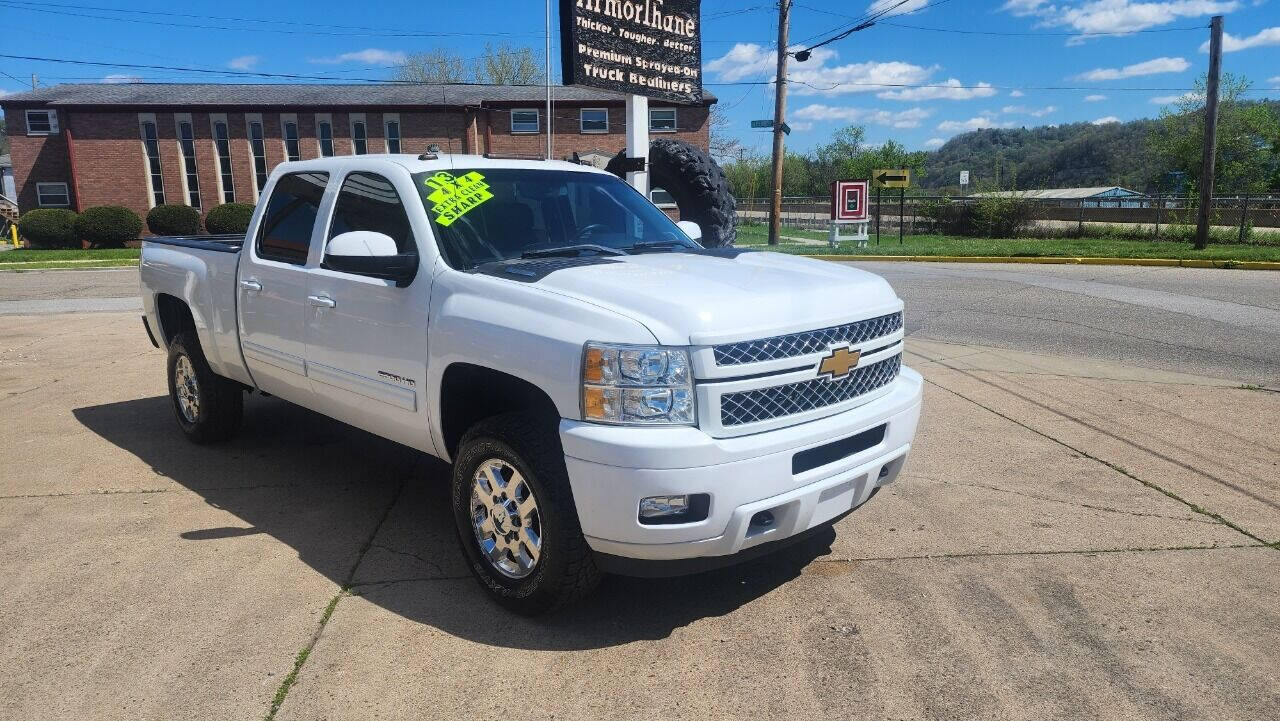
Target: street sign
[[786, 129], [964, 177], [652, 49], [892, 178], [849, 201], [762, 123]]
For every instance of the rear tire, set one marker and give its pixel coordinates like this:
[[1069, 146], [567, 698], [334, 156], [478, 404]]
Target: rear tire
[[515, 516], [208, 407]]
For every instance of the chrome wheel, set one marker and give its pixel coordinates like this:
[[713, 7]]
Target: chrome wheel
[[504, 516], [187, 388]]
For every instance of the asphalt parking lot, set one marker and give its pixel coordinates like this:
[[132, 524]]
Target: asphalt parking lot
[[1082, 531]]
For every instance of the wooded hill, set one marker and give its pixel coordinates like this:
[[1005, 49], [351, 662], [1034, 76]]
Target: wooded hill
[[1062, 156]]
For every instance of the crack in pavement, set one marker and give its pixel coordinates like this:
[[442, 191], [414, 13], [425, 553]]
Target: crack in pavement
[[301, 659], [1061, 552], [1089, 506], [1113, 466], [398, 552], [415, 579]]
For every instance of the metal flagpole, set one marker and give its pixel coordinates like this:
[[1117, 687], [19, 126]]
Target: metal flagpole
[[547, 70]]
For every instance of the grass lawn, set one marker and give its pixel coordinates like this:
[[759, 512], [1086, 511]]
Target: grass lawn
[[1026, 247], [69, 258]]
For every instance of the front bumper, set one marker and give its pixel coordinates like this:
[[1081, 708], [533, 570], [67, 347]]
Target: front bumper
[[611, 468]]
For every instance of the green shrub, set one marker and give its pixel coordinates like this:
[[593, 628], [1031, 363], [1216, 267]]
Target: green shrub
[[174, 220], [987, 217], [230, 218], [49, 228], [108, 226]]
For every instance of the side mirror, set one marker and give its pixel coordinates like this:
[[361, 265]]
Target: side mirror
[[361, 243], [690, 228], [365, 252]]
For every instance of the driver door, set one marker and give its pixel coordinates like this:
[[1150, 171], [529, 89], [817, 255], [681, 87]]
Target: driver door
[[367, 338]]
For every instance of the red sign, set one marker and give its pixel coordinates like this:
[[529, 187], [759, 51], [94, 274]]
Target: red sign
[[849, 201]]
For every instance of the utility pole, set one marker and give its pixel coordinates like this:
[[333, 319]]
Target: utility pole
[[1210, 132], [779, 113], [34, 81]]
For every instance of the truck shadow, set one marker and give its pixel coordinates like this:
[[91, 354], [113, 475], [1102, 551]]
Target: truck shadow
[[374, 515]]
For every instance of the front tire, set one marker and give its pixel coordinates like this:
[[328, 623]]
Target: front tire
[[515, 516], [208, 407]]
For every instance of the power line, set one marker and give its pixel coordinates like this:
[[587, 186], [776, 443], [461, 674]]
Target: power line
[[348, 32], [1046, 34], [865, 22]]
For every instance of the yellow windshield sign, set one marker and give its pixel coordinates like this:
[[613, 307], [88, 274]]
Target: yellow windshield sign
[[453, 197]]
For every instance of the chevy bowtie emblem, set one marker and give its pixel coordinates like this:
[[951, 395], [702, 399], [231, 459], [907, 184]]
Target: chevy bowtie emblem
[[839, 363]]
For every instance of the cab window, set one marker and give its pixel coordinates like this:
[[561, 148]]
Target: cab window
[[285, 234], [368, 201]]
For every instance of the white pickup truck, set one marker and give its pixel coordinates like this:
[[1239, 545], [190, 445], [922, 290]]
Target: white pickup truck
[[613, 396]]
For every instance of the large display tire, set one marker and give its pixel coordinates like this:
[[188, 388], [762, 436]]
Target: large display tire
[[696, 183]]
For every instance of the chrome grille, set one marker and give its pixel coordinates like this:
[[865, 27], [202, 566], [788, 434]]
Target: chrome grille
[[761, 404], [806, 342]]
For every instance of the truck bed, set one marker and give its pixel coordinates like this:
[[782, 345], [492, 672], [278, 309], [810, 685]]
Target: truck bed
[[216, 243], [200, 272]]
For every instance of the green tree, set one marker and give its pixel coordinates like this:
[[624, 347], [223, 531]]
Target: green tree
[[1248, 144], [848, 156]]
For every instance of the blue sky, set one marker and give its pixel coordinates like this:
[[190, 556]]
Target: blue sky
[[912, 84]]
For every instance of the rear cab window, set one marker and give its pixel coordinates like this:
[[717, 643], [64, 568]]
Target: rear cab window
[[287, 224]]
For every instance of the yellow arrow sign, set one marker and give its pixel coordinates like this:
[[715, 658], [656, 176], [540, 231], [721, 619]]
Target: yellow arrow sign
[[892, 178]]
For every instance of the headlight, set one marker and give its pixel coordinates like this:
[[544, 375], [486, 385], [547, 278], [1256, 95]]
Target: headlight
[[648, 385]]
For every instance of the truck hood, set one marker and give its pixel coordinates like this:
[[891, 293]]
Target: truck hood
[[708, 298]]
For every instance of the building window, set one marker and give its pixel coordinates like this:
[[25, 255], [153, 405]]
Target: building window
[[151, 144], [662, 120], [42, 122], [593, 120], [52, 195], [222, 144], [291, 141], [259, 150], [359, 135], [187, 143], [524, 121], [324, 133], [391, 124]]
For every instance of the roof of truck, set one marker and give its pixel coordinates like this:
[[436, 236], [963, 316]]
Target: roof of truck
[[442, 161]]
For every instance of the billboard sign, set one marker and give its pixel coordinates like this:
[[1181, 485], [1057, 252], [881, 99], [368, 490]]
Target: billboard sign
[[849, 201], [638, 47]]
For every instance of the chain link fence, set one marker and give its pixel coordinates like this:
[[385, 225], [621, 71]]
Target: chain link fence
[[1143, 215]]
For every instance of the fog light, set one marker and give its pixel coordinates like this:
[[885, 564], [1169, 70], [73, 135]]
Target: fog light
[[663, 506]]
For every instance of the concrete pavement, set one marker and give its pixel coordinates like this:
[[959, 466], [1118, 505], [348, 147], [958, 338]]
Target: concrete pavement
[[1075, 536]]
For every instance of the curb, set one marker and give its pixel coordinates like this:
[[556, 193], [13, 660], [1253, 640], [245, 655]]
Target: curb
[[1046, 260]]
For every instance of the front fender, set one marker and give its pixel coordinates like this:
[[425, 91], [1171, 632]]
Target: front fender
[[518, 329]]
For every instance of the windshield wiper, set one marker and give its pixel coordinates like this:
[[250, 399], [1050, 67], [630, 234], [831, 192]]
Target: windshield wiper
[[572, 250], [658, 245]]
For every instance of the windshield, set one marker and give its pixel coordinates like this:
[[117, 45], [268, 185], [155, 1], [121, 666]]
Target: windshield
[[494, 214]]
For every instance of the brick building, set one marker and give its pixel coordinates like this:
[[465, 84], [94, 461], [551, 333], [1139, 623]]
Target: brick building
[[142, 145]]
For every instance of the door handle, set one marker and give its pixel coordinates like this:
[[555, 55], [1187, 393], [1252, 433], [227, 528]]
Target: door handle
[[252, 286], [321, 301]]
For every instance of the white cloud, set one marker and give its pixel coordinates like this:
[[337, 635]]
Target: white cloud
[[959, 126], [1172, 99], [934, 143], [909, 6], [1274, 81], [244, 62], [1116, 16], [1231, 43], [1024, 110], [371, 56], [909, 118], [1016, 93], [952, 89], [116, 78], [1154, 66], [1106, 120], [819, 76], [1094, 98], [801, 126]]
